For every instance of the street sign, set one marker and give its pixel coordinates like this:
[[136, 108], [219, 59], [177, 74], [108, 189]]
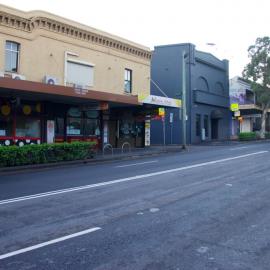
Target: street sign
[[237, 113], [161, 111], [171, 117], [234, 107]]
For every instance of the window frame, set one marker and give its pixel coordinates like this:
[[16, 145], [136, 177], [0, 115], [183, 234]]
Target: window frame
[[128, 79], [10, 50]]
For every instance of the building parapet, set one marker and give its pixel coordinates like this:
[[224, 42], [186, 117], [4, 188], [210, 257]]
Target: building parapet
[[70, 29]]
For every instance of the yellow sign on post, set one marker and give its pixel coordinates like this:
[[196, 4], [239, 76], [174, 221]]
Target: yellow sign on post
[[161, 111], [234, 107]]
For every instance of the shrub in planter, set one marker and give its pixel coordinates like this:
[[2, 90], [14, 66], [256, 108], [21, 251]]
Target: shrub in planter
[[247, 136], [45, 153], [267, 135]]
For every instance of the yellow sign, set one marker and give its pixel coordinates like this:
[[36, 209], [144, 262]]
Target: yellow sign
[[234, 107], [5, 110], [27, 109], [161, 111]]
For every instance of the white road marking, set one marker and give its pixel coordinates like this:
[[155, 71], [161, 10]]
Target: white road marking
[[202, 249], [136, 164], [54, 241], [239, 148], [229, 185], [153, 210], [121, 180]]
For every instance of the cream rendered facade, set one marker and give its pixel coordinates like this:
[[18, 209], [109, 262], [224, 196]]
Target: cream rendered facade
[[45, 38], [103, 111]]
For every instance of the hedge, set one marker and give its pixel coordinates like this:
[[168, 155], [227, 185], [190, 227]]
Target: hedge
[[247, 136], [45, 153]]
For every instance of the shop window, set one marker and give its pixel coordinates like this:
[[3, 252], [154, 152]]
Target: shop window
[[27, 127], [92, 124], [127, 128], [5, 125], [92, 127], [74, 126], [198, 125], [205, 120], [74, 112], [128, 80], [12, 56], [59, 126], [92, 114]]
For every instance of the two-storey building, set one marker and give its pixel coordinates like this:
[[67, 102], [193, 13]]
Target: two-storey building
[[64, 81], [248, 116], [207, 94]]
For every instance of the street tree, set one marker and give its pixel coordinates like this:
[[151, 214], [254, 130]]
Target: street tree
[[258, 72]]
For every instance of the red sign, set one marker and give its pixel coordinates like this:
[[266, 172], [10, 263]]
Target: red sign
[[103, 106]]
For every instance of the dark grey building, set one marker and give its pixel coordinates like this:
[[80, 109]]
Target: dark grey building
[[207, 94]]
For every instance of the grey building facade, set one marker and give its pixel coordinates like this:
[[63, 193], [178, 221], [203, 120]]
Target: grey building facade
[[207, 94]]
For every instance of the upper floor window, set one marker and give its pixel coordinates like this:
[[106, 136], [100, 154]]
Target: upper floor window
[[80, 73], [12, 56], [128, 80]]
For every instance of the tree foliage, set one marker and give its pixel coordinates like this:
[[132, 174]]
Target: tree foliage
[[258, 70]]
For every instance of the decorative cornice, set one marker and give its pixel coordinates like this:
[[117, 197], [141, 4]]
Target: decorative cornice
[[34, 23]]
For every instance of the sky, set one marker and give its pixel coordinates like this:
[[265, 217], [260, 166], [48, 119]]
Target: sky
[[232, 25]]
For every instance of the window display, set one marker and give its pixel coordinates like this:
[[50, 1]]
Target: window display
[[74, 126], [27, 127], [5, 126], [92, 127]]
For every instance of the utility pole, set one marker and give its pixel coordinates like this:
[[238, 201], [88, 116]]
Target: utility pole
[[184, 114]]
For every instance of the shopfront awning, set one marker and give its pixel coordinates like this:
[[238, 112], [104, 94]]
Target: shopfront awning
[[13, 87]]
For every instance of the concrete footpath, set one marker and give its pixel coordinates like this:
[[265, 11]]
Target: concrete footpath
[[117, 154]]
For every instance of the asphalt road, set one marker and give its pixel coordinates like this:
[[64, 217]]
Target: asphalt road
[[204, 209]]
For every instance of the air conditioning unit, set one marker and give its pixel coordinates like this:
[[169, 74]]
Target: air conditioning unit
[[17, 76], [50, 80]]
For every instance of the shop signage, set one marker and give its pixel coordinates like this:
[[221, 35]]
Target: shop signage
[[80, 90], [105, 132], [171, 117], [158, 100], [50, 131], [147, 132], [5, 110], [237, 113], [234, 107], [103, 106]]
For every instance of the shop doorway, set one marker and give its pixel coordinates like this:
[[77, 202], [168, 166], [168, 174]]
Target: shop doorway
[[112, 130], [214, 129]]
